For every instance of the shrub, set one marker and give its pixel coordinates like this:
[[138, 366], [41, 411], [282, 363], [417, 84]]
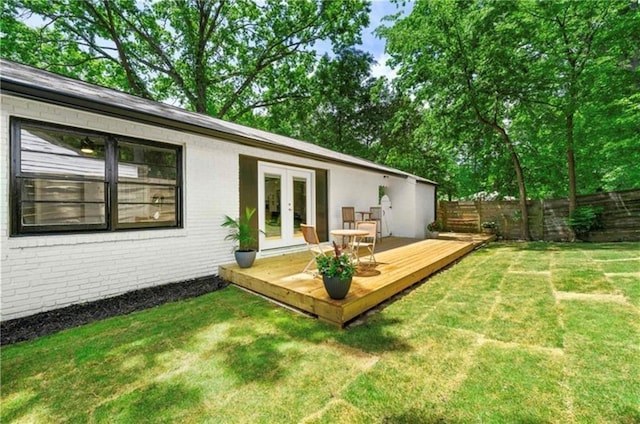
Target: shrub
[[585, 219]]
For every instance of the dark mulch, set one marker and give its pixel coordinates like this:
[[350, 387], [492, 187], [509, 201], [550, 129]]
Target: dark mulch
[[44, 323]]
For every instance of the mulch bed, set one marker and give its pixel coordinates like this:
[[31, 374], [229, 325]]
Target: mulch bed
[[44, 323]]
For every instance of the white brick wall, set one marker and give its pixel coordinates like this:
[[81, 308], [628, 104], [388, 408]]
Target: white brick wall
[[40, 273]]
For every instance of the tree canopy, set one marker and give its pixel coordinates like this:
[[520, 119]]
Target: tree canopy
[[224, 58], [527, 98], [555, 77]]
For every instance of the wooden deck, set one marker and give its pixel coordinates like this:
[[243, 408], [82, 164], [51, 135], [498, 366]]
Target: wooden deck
[[280, 277]]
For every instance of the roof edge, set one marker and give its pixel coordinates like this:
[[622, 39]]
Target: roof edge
[[133, 108]]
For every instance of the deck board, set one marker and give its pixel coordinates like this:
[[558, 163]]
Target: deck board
[[280, 277]]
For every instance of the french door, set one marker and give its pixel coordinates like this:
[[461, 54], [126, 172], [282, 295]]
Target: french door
[[286, 198]]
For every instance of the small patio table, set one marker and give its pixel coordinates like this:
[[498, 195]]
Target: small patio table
[[353, 240], [363, 214]]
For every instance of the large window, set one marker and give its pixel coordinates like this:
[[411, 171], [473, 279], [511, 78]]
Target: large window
[[72, 180]]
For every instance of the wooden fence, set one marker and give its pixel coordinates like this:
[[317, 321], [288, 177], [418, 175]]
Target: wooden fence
[[547, 218]]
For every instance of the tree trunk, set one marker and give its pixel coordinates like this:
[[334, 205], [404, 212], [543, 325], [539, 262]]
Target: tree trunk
[[524, 224], [571, 162]]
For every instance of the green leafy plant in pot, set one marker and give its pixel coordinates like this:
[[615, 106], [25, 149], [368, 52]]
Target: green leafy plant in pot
[[433, 229], [489, 227], [241, 231], [337, 272]]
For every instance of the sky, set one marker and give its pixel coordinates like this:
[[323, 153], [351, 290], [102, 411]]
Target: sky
[[374, 45]]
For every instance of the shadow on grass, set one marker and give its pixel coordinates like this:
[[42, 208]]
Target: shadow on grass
[[375, 336], [629, 415], [301, 326], [422, 417], [23, 403], [250, 336], [159, 402], [253, 357], [109, 355], [72, 316]]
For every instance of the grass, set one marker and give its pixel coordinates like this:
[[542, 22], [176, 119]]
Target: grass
[[522, 332]]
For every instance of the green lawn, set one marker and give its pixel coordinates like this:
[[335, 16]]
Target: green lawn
[[514, 333]]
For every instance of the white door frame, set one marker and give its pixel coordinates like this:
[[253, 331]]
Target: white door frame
[[287, 174]]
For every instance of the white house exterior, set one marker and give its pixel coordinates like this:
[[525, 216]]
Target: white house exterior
[[145, 208]]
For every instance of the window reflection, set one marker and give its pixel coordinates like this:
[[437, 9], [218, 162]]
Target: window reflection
[[273, 217], [54, 152], [147, 178], [299, 203], [52, 201], [62, 182]]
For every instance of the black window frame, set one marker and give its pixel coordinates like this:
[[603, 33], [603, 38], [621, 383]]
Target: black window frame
[[111, 224]]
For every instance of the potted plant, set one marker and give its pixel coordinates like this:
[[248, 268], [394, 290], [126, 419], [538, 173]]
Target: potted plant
[[337, 272], [433, 229], [240, 230], [489, 227]]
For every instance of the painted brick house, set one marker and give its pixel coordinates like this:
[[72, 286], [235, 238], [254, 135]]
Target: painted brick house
[[104, 192]]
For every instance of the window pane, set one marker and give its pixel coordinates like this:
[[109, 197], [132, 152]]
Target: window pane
[[55, 152], [272, 196], [62, 190], [146, 163], [130, 213], [149, 194], [66, 178], [34, 213], [146, 203], [299, 203]]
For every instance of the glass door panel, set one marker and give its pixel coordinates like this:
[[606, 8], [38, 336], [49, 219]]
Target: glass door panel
[[286, 198], [299, 204], [272, 203]]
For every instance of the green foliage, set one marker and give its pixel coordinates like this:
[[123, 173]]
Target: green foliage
[[517, 216], [584, 219], [489, 224], [337, 265], [382, 190], [216, 57], [464, 61], [241, 230], [435, 226], [345, 110], [523, 66]]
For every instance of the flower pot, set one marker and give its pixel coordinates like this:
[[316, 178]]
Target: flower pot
[[433, 234], [245, 258], [336, 288]]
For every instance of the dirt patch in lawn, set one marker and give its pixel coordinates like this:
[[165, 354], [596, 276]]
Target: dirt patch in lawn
[[601, 297], [44, 323]]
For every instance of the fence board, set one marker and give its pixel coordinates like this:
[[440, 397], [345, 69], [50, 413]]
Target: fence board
[[548, 218]]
